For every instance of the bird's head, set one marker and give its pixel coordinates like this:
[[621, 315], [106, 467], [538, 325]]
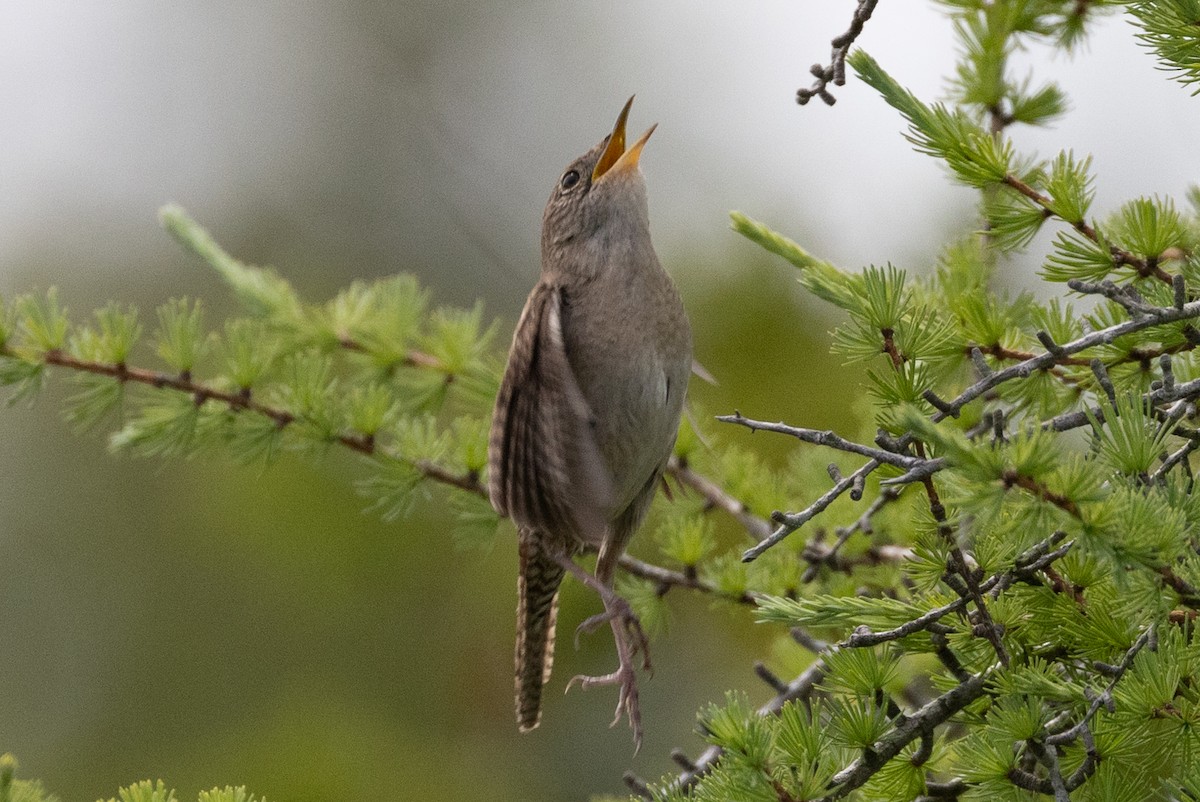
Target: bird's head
[[597, 208]]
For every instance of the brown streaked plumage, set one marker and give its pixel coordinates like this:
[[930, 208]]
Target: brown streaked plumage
[[588, 409]]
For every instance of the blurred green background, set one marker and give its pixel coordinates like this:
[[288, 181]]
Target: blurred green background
[[208, 623]]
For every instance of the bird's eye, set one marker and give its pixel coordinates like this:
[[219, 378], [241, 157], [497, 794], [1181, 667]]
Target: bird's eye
[[570, 179]]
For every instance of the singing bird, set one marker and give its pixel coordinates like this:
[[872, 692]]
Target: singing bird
[[588, 410]]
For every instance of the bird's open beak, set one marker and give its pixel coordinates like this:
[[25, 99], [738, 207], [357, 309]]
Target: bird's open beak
[[615, 158]]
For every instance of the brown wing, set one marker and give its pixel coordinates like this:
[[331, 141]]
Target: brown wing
[[544, 466]]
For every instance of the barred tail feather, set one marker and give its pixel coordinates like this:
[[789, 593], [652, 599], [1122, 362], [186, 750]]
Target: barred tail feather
[[537, 609]]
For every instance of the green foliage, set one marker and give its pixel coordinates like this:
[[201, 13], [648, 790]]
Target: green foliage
[[229, 794], [249, 352], [862, 672], [145, 791], [1058, 485], [1148, 227], [1170, 29], [180, 335], [1071, 187], [1131, 440], [837, 611], [728, 574], [687, 539], [818, 277], [12, 790], [42, 321], [974, 156], [111, 339], [474, 523], [392, 488], [648, 603], [261, 290]]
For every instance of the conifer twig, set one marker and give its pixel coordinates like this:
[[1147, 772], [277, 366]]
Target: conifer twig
[[666, 579], [799, 688], [1045, 749], [245, 401], [718, 497], [1120, 256], [1036, 558], [1152, 316], [1104, 699], [413, 357], [908, 729]]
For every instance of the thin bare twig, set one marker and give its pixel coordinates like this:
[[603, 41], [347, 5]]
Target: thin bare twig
[[1104, 699], [824, 438], [790, 522], [835, 72], [1169, 462], [816, 555]]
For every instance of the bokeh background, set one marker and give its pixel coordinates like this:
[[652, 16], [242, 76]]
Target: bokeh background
[[208, 623]]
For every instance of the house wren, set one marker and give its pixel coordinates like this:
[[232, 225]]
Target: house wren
[[588, 409]]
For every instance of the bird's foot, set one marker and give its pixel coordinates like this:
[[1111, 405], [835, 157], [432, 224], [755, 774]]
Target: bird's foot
[[617, 611], [629, 638], [625, 677]]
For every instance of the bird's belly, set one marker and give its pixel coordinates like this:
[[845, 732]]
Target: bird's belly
[[635, 417], [627, 340]]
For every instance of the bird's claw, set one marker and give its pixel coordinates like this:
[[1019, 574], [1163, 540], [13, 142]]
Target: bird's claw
[[627, 697], [616, 609], [630, 638]]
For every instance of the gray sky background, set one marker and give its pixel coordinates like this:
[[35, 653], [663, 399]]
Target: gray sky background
[[424, 136]]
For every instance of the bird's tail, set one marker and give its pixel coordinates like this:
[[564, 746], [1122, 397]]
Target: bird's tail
[[537, 608]]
